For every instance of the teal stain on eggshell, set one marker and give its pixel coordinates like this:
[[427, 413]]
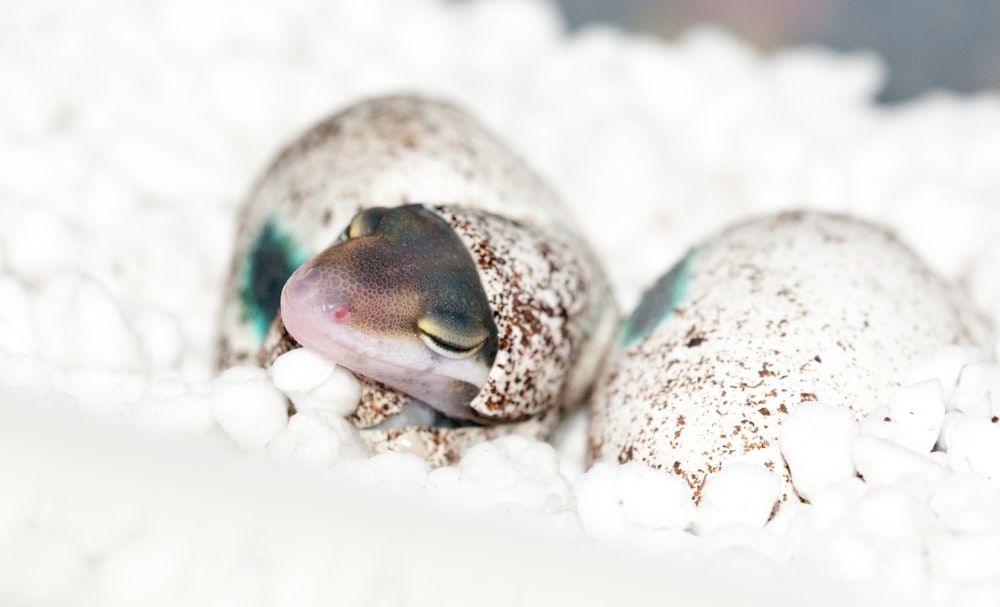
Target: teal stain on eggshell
[[272, 258], [658, 303]]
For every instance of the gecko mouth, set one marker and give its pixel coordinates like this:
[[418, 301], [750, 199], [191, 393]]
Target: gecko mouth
[[313, 313], [398, 299], [421, 415]]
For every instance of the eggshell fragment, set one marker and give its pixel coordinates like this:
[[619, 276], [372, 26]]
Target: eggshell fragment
[[771, 313]]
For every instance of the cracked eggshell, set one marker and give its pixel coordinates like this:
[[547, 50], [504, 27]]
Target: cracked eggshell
[[771, 313], [555, 316], [385, 151], [551, 300]]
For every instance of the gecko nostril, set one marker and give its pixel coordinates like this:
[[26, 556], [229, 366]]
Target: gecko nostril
[[311, 303], [301, 284], [341, 314], [311, 293]]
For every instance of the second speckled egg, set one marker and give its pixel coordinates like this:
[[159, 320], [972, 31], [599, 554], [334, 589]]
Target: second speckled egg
[[768, 314]]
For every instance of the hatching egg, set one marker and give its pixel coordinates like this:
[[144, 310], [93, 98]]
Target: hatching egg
[[768, 314], [401, 241]]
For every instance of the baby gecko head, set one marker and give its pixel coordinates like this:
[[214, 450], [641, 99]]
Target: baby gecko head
[[398, 299]]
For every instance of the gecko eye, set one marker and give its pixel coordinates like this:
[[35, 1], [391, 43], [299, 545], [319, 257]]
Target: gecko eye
[[449, 336], [366, 222]]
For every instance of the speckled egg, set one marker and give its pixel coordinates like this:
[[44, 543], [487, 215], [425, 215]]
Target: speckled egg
[[400, 240], [768, 314]]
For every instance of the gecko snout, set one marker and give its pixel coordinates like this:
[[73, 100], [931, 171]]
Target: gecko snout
[[310, 299]]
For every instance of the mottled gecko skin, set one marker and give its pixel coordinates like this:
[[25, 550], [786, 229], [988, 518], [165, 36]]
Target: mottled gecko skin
[[464, 278], [399, 300]]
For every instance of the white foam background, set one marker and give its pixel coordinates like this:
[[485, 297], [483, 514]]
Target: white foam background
[[128, 474]]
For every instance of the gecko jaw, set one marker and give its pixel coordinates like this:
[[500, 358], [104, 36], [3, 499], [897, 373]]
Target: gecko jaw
[[317, 316]]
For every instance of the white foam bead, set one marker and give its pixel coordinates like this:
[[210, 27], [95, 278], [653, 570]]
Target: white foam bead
[[995, 396], [199, 351], [563, 526], [506, 459], [446, 487], [850, 551], [965, 556], [16, 332], [41, 567], [170, 271], [902, 576], [317, 438], [484, 28], [110, 199], [834, 502], [402, 472], [913, 417], [312, 382], [38, 243], [19, 508], [981, 407], [787, 518], [973, 443], [966, 503], [160, 337], [935, 210], [598, 505], [32, 112], [943, 592], [146, 569], [799, 531], [947, 432], [815, 441], [980, 593], [655, 542], [972, 394], [241, 586], [983, 282], [852, 80], [106, 394], [247, 407], [518, 470], [35, 375], [518, 514], [300, 370], [761, 540], [744, 566], [740, 493], [623, 144], [892, 517], [101, 336], [356, 471], [940, 457], [485, 464], [531, 495], [945, 365], [653, 499], [340, 394], [570, 442], [560, 494], [883, 462], [98, 526], [79, 325], [171, 405]]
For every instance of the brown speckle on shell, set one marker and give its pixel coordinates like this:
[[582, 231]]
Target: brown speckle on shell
[[792, 308], [551, 300]]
